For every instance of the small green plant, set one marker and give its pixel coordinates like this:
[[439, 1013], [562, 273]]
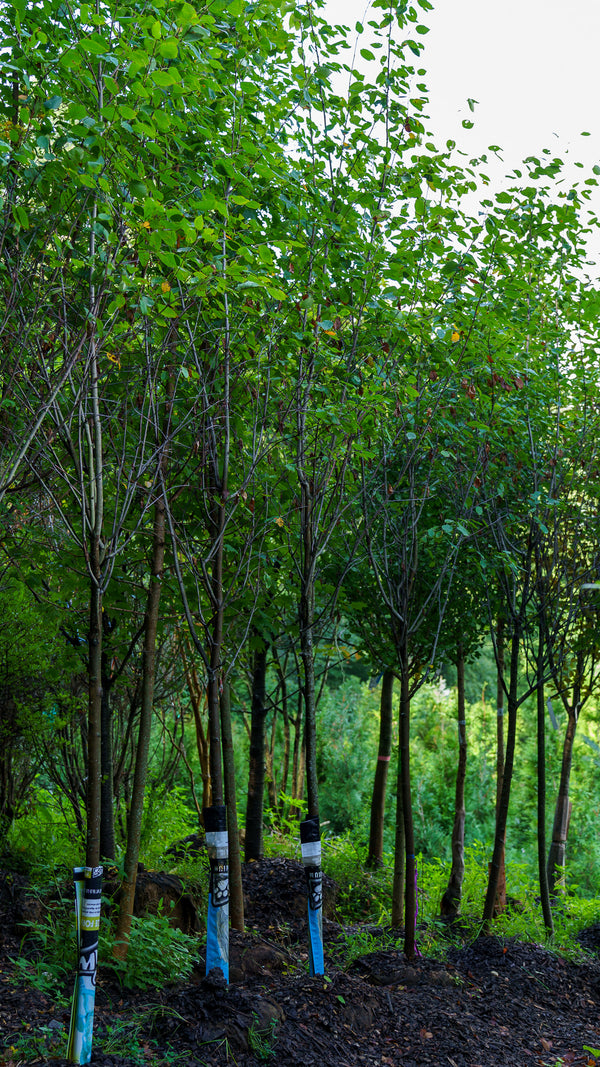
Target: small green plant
[[157, 953], [131, 1038], [43, 975], [359, 943], [262, 1041], [125, 1038], [49, 959], [44, 1043]]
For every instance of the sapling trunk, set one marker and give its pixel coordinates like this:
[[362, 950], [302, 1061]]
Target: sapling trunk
[[285, 763], [309, 691], [562, 810], [410, 889], [500, 903], [94, 726], [399, 856], [236, 892], [502, 812], [541, 788], [375, 853], [195, 692], [253, 848], [215, 681], [450, 904], [134, 822], [107, 817]]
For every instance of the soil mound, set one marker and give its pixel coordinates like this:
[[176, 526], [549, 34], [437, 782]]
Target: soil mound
[[492, 1003]]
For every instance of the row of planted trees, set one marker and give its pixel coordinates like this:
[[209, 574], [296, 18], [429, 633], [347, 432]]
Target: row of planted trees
[[263, 376]]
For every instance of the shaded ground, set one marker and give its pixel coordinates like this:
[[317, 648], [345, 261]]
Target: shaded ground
[[490, 1003]]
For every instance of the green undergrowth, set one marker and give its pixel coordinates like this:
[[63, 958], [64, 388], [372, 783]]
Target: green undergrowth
[[159, 954], [365, 898]]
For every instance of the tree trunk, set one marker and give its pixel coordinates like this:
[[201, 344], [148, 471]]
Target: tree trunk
[[541, 788], [236, 892], [107, 812], [202, 747], [450, 904], [562, 811], [502, 812], [215, 678], [256, 776], [285, 765], [272, 791], [410, 889], [286, 750], [308, 689], [399, 856], [134, 822], [500, 902], [375, 853], [298, 759], [94, 729]]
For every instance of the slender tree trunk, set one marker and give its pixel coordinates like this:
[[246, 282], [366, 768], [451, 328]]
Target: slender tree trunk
[[410, 889], [256, 778], [236, 892], [562, 811], [134, 822], [202, 748], [95, 518], [450, 904], [399, 856], [375, 853], [297, 774], [500, 902], [541, 787], [306, 605], [107, 808], [285, 765], [270, 766], [299, 758], [502, 813], [285, 770], [94, 729], [308, 688], [215, 678]]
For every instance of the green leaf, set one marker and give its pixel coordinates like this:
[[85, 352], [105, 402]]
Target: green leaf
[[169, 49], [94, 46], [164, 78], [20, 216], [277, 294]]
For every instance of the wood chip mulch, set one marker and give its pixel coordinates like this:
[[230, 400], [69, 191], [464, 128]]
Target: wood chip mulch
[[490, 1003]]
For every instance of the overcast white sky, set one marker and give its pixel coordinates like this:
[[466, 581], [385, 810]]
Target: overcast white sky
[[533, 65]]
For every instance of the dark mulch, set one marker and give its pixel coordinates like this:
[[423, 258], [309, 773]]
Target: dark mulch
[[491, 1003]]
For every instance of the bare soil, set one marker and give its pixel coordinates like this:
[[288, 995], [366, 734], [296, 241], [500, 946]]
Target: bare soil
[[489, 1003]]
